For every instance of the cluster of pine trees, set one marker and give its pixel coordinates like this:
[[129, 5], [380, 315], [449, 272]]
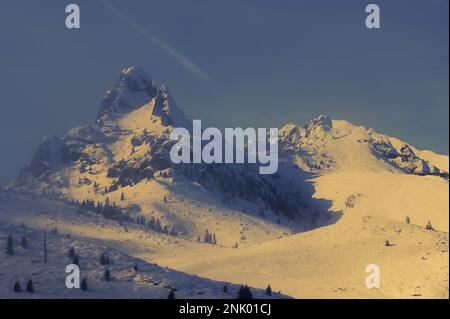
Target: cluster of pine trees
[[155, 224], [24, 245], [10, 244], [129, 173], [208, 238], [18, 288], [72, 255], [107, 210], [244, 293], [234, 183], [104, 259], [112, 211], [428, 226]]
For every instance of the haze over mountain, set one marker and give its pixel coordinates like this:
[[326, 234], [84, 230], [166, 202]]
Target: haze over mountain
[[341, 191]]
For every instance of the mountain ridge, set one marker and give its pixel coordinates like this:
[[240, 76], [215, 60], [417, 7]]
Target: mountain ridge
[[136, 91]]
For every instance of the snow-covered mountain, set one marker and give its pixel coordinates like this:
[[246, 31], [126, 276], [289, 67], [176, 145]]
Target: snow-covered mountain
[[341, 190], [329, 145], [128, 145], [129, 142]]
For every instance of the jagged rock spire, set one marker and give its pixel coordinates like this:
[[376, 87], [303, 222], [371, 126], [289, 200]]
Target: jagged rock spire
[[134, 89]]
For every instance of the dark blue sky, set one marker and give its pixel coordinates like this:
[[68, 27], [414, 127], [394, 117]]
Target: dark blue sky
[[229, 63]]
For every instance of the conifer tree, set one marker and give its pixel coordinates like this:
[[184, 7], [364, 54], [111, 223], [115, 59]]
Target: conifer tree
[[10, 245], [24, 242], [171, 294], [244, 293], [84, 285], [207, 237], [107, 275], [71, 252], [17, 287], [30, 286], [76, 261], [103, 260], [269, 291], [158, 227]]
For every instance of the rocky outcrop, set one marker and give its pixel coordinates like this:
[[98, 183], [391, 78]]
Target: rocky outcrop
[[134, 88]]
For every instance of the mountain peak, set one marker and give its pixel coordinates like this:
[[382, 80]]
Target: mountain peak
[[322, 120], [134, 89], [136, 79]]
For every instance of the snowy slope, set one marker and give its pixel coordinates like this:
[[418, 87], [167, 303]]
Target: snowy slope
[[32, 216], [330, 262], [387, 177]]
